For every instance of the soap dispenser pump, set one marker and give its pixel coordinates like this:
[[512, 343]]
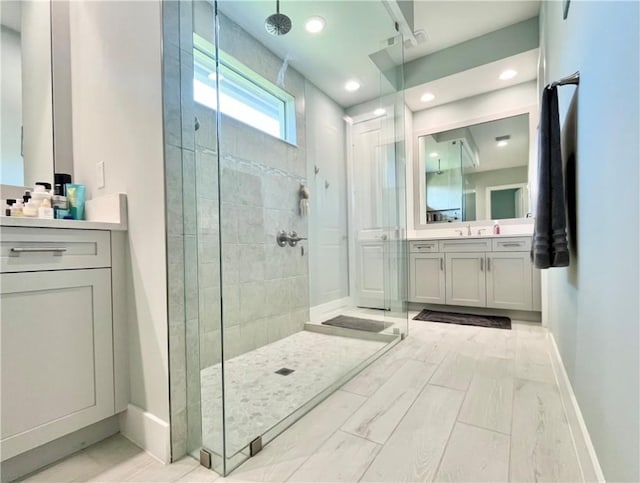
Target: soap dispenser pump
[[496, 228]]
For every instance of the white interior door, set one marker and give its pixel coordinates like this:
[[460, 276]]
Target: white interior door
[[367, 213]]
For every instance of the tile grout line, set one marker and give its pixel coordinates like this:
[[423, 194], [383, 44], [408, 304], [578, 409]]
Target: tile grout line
[[405, 414], [288, 478], [444, 450]]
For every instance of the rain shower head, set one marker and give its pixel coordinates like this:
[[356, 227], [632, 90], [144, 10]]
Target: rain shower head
[[278, 23]]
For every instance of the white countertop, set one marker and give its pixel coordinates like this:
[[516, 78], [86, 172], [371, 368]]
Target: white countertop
[[43, 223], [468, 237]]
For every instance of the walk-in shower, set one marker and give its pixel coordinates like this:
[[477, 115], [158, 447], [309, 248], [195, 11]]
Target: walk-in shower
[[293, 214]]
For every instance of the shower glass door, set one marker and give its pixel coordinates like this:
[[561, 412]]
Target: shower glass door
[[278, 183]]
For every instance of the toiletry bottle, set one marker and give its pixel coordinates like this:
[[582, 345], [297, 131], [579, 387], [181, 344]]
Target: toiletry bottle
[[16, 209], [7, 209], [30, 209], [45, 211], [26, 197], [496, 228], [40, 193]]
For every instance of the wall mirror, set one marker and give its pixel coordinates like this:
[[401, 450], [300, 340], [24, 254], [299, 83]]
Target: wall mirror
[[27, 113], [34, 77], [477, 172]]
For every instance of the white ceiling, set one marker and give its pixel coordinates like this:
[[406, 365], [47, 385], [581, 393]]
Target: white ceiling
[[473, 82], [357, 28], [515, 153], [450, 22]]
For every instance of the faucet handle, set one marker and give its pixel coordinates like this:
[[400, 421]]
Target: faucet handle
[[459, 232], [481, 230]]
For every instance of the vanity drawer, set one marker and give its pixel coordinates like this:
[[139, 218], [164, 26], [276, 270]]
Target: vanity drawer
[[469, 245], [520, 244], [430, 246], [36, 249]]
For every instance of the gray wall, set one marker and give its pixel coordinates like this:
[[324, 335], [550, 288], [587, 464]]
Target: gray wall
[[592, 305], [484, 179]]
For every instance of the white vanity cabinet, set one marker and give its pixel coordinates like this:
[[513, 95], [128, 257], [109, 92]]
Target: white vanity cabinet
[[426, 273], [58, 341], [509, 284], [427, 282], [477, 272], [465, 279]]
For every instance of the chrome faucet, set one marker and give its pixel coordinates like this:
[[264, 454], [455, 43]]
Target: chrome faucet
[[459, 232], [468, 229], [481, 231]]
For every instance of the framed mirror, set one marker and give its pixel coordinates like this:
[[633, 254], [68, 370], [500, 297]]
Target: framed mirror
[[476, 172], [26, 97], [35, 79]]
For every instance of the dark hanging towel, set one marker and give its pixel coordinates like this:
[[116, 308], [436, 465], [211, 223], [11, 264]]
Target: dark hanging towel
[[549, 247]]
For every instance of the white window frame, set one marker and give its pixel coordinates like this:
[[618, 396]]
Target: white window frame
[[244, 94]]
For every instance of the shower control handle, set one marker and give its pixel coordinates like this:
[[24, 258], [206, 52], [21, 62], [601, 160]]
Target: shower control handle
[[282, 238], [294, 239]]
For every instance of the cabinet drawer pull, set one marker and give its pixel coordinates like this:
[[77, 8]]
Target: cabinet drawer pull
[[441, 264], [488, 264], [16, 251], [481, 264], [519, 244]]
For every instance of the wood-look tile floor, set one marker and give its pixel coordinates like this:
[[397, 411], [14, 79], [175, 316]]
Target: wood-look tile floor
[[450, 403]]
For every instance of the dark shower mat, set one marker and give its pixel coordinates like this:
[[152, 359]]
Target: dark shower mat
[[357, 324], [493, 321]]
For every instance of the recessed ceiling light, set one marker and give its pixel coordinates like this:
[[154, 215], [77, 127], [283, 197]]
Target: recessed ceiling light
[[508, 74], [379, 112], [427, 97], [434, 155], [315, 25], [503, 143], [352, 86]]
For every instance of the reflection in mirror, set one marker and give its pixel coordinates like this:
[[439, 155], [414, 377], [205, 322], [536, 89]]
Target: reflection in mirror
[[478, 172], [26, 95]]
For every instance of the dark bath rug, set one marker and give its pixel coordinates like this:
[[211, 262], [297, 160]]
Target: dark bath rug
[[493, 321], [357, 324]]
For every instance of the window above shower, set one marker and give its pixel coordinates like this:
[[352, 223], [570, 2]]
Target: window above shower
[[244, 95]]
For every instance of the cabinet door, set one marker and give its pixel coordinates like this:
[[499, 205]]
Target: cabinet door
[[426, 282], [509, 280], [57, 359], [465, 280]]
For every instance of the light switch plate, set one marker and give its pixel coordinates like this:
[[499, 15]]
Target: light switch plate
[[100, 167]]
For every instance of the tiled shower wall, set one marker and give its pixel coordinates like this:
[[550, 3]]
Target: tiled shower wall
[[265, 287], [182, 229]]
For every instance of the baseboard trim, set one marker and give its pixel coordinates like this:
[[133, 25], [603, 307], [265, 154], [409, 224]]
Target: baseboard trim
[[586, 453], [37, 458], [147, 431], [320, 312]]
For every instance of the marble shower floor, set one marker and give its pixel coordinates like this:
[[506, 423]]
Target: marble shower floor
[[258, 398]]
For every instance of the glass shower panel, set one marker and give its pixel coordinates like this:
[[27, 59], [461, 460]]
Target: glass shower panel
[[393, 191], [207, 405], [274, 213]]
